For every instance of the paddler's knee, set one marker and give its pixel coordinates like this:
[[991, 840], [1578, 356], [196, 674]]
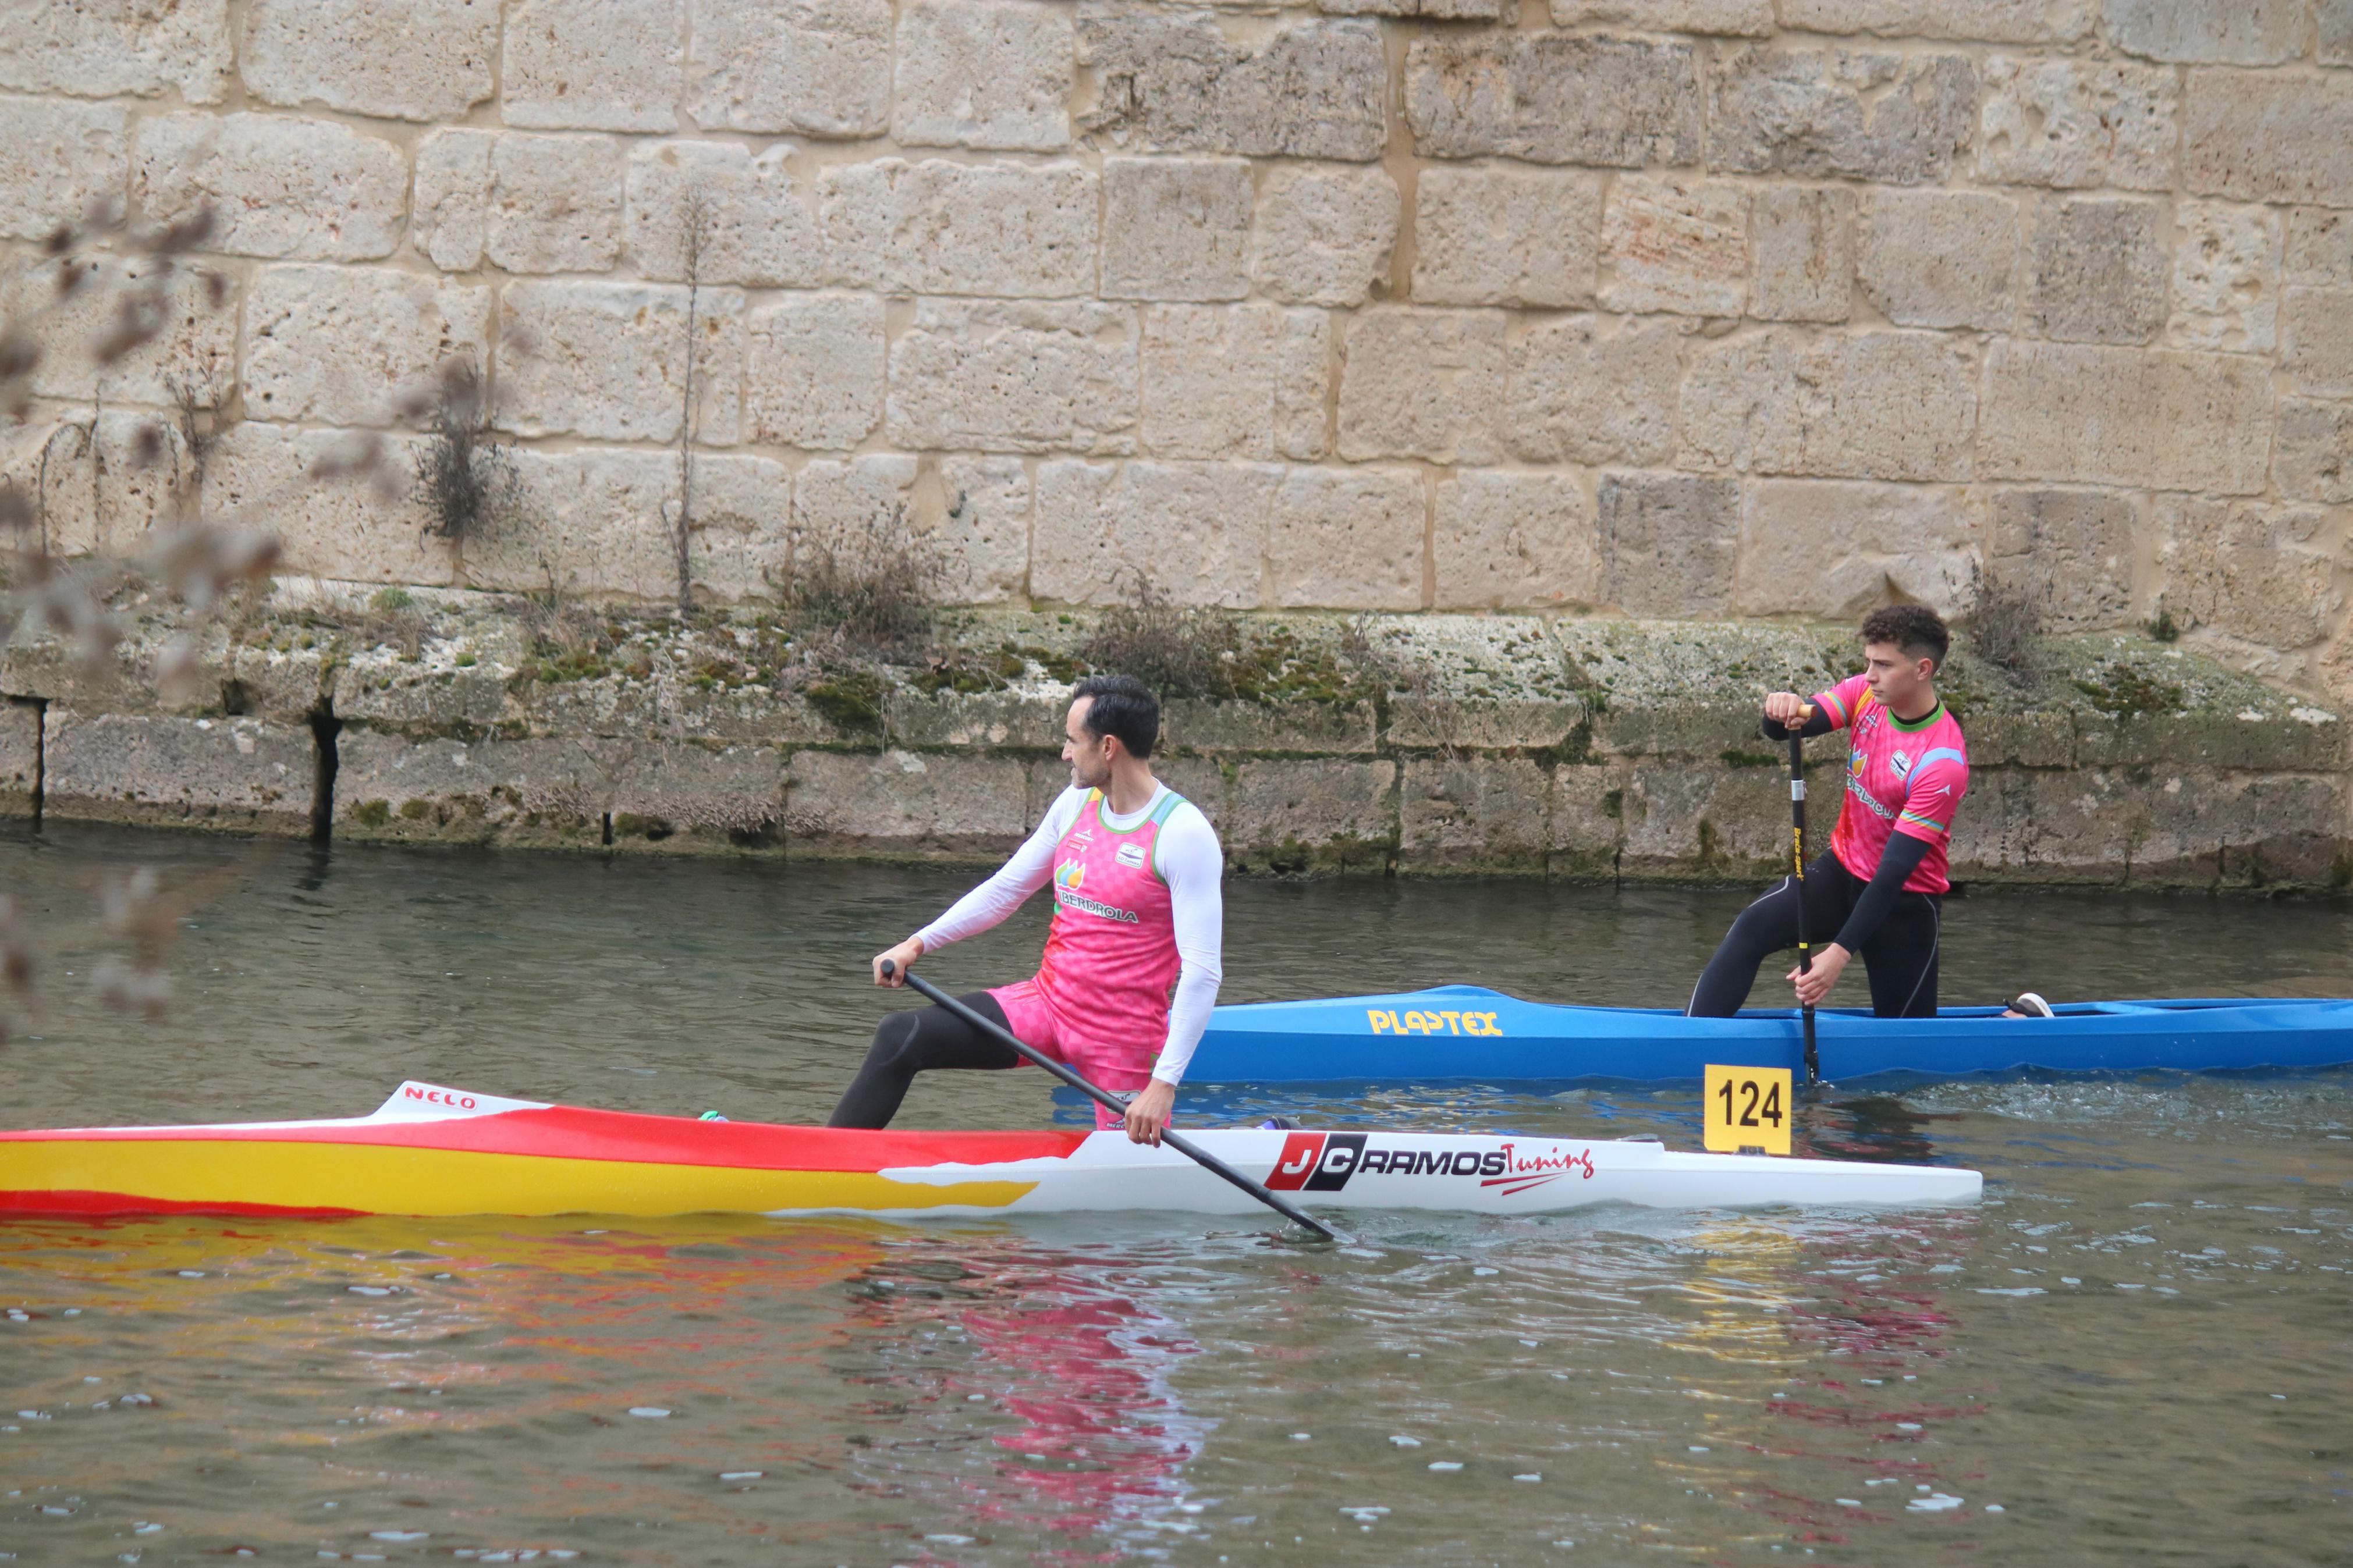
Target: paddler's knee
[[893, 1037]]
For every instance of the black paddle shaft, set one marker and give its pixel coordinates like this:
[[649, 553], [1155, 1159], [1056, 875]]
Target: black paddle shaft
[[1797, 872], [1183, 1145]]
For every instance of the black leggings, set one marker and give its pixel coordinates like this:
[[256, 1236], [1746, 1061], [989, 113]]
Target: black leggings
[[1901, 956], [908, 1042]]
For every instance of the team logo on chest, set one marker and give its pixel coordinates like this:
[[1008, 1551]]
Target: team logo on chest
[[1130, 856], [1070, 874], [1902, 763]]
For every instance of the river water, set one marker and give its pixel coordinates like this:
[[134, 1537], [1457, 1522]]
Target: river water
[[2136, 1352]]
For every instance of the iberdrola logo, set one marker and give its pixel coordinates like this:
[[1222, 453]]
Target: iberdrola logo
[[1068, 875]]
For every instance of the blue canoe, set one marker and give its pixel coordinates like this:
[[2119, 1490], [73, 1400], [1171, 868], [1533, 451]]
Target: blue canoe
[[1470, 1033]]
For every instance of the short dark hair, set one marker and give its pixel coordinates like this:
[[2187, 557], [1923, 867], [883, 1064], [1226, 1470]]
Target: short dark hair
[[1123, 707], [1916, 629]]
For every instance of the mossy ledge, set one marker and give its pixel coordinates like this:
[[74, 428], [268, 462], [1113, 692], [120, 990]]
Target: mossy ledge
[[1585, 748]]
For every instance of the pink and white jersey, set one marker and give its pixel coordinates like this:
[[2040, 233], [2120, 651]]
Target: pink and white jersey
[[1110, 955], [1902, 776]]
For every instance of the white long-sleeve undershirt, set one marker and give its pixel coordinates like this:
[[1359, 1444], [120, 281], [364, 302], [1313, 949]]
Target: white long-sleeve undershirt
[[1192, 865]]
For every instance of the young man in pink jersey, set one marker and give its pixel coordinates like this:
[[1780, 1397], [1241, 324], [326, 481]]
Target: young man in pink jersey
[[1881, 887], [1132, 959]]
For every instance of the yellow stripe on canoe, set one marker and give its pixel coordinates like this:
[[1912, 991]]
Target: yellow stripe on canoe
[[377, 1179]]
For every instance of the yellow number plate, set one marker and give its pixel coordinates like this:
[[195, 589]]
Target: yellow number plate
[[1747, 1107]]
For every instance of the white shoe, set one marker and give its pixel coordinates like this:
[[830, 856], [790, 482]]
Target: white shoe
[[2029, 1004]]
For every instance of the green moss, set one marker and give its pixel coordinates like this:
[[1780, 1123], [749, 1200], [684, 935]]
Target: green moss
[[572, 663], [1613, 803], [1735, 758], [630, 825], [371, 812], [390, 599], [467, 661], [2123, 692], [852, 703], [415, 810]]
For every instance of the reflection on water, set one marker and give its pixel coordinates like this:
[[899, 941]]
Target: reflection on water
[[2132, 1353]]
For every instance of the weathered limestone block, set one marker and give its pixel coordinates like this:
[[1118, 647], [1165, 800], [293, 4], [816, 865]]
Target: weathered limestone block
[[1010, 377], [1899, 120], [1966, 21], [2078, 123], [2319, 246], [1708, 818], [195, 345], [2149, 418], [105, 48], [329, 522], [2098, 270], [973, 513], [1676, 244], [97, 496], [594, 521], [1421, 383], [679, 796], [1833, 548], [2226, 277], [1237, 728], [1941, 258], [740, 546], [527, 204], [1574, 394], [1347, 539], [353, 345], [757, 227], [596, 65], [2275, 731], [244, 775], [788, 66], [1235, 380], [1481, 723], [2074, 551], [63, 158], [903, 802], [2193, 32], [1801, 243], [2259, 572], [545, 792], [610, 360], [291, 189], [20, 756], [2317, 346], [1014, 231], [385, 689], [1589, 820], [1177, 83], [1301, 816], [813, 369], [1515, 540], [2179, 828], [1198, 531], [2335, 23], [1175, 228], [2043, 738], [1895, 405], [672, 703], [2265, 136], [1485, 813], [395, 59], [1555, 98], [983, 73], [1749, 18], [988, 721], [2313, 457], [1505, 236], [1324, 236], [1669, 542]]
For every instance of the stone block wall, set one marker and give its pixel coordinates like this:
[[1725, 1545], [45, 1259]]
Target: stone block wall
[[1681, 307]]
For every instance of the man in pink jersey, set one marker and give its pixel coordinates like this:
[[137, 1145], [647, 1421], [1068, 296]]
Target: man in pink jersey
[[1133, 958], [1882, 886]]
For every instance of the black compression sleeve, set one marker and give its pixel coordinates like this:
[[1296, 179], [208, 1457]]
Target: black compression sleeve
[[1819, 724], [1896, 863]]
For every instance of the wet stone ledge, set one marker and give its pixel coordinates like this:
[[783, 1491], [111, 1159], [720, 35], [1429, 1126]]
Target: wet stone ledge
[[1584, 748]]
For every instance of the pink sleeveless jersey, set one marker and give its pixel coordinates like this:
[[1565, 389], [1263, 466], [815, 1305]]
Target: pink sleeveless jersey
[[1902, 776], [1111, 958]]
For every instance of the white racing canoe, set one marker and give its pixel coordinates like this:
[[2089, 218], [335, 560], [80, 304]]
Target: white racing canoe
[[433, 1151]]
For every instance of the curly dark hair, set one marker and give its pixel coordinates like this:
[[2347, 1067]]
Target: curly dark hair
[[1124, 707], [1918, 630]]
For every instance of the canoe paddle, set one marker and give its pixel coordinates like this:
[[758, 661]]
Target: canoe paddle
[[1798, 870], [1175, 1140]]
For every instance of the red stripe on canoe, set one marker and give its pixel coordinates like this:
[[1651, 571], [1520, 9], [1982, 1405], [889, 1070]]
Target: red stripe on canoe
[[565, 1132], [90, 1205]]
